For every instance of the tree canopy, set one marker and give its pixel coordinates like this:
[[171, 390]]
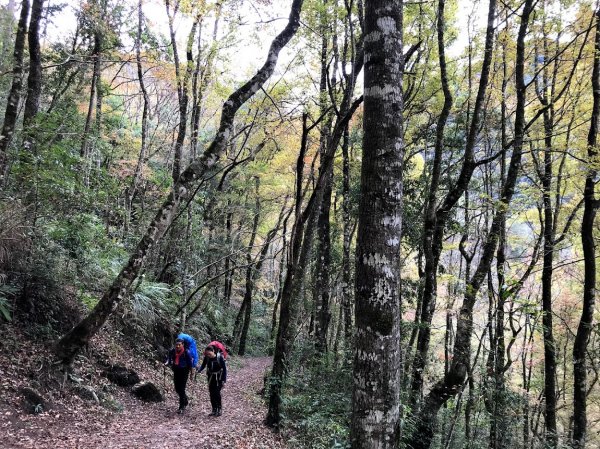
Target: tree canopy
[[393, 200]]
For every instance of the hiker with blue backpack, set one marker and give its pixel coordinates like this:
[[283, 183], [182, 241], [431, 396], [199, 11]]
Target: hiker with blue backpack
[[216, 374], [182, 363], [190, 344]]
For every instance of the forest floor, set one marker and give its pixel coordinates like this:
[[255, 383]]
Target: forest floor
[[73, 422]]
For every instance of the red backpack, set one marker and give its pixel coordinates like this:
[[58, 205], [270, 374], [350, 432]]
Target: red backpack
[[221, 347]]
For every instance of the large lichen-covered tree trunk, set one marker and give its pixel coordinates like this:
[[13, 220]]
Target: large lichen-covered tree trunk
[[376, 390], [70, 344]]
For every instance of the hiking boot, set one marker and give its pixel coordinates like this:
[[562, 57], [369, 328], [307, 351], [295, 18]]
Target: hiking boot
[[213, 413], [218, 413], [180, 411]]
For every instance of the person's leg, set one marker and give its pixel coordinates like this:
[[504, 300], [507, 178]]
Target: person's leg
[[213, 390], [177, 382], [183, 396], [218, 399], [180, 380]]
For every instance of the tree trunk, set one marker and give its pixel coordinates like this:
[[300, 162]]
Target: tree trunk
[[183, 97], [498, 425], [201, 80], [346, 268], [146, 103], [300, 247], [282, 274], [301, 244], [584, 328], [452, 382], [436, 216], [246, 309], [228, 287], [547, 271], [544, 93], [14, 95], [196, 97], [323, 250], [376, 391], [94, 89], [429, 248], [70, 344], [323, 266], [34, 79]]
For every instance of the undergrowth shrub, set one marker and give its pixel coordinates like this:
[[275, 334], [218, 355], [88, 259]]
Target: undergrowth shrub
[[147, 303], [147, 313], [7, 293], [13, 241], [259, 335], [317, 403], [214, 319], [44, 304]]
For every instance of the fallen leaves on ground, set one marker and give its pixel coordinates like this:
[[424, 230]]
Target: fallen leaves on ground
[[73, 422]]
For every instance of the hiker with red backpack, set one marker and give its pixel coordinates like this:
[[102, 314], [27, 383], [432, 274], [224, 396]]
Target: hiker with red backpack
[[216, 374], [181, 362], [220, 347]]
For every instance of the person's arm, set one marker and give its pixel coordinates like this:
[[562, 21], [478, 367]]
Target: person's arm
[[169, 359], [204, 360], [190, 363], [224, 367]]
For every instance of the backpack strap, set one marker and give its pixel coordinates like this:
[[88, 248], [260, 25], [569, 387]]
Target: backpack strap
[[217, 374]]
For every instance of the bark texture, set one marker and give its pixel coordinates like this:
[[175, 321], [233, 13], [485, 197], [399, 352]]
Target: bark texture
[[376, 390], [346, 264]]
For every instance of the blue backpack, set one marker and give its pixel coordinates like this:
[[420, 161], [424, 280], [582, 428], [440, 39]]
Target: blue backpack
[[190, 344]]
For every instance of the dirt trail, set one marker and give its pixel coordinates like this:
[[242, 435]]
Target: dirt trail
[[150, 426]]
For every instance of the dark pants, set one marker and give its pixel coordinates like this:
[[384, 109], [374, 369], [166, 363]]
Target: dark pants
[[214, 389], [180, 377]]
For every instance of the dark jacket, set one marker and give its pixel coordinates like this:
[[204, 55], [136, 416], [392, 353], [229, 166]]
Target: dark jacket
[[215, 368], [185, 360]]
